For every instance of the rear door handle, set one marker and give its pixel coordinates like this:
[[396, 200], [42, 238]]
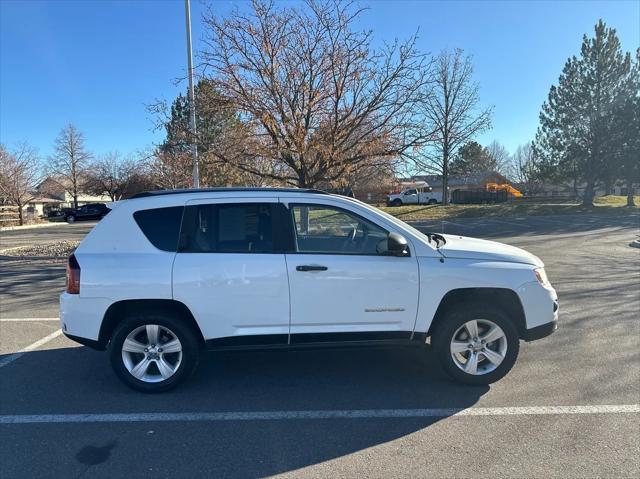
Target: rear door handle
[[311, 267]]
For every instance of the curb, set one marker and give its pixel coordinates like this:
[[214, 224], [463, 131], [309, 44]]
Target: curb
[[30, 258], [28, 227]]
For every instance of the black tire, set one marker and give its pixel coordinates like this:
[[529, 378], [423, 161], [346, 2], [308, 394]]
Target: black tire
[[396, 202], [453, 320], [70, 218], [432, 201], [190, 343]]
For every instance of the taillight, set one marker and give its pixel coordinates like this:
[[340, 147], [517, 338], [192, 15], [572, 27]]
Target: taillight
[[73, 275]]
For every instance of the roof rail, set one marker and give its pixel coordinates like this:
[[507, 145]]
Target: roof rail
[[147, 194]]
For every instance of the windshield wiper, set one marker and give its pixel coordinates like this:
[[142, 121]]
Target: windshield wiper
[[436, 238]]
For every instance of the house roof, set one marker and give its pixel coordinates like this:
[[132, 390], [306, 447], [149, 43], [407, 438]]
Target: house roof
[[45, 199]]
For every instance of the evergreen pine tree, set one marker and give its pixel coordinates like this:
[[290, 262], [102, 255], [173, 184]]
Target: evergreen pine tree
[[575, 140]]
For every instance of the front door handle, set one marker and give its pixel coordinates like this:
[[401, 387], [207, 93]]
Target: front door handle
[[311, 267]]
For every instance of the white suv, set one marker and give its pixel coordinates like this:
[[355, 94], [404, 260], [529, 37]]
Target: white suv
[[169, 273]]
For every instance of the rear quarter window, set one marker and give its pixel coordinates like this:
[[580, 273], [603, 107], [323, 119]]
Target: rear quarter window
[[161, 226]]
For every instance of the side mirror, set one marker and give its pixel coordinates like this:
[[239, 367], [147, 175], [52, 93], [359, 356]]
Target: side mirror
[[397, 245]]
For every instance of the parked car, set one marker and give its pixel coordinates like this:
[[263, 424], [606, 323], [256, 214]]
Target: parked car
[[415, 196], [53, 213], [90, 211], [170, 273]]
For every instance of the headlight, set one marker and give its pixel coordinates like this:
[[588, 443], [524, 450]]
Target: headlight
[[541, 276]]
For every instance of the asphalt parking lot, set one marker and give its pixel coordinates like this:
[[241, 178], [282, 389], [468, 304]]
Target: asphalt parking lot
[[569, 408]]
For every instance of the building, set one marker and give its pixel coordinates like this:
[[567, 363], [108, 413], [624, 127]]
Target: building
[[51, 194]]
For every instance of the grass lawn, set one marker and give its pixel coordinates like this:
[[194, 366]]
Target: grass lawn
[[603, 205]]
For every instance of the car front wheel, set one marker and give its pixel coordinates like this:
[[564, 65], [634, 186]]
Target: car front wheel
[[70, 219], [153, 353], [476, 345]]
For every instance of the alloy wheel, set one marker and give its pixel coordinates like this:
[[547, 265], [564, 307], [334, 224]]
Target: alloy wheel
[[152, 353], [478, 346]]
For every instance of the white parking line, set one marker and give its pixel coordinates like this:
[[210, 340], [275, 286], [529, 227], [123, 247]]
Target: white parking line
[[321, 414], [12, 320], [12, 357]]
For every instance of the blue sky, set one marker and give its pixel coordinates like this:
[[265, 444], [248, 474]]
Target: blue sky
[[97, 63]]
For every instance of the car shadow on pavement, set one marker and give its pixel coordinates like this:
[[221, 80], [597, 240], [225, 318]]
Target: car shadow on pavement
[[79, 381]]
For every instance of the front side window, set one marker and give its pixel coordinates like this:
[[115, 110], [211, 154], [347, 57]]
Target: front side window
[[329, 230], [228, 228]]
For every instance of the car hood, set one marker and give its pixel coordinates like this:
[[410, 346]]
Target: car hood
[[473, 248]]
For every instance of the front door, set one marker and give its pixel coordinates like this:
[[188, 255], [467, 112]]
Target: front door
[[230, 271], [343, 285], [411, 197]]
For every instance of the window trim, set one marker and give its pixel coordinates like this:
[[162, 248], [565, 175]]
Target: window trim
[[291, 204]]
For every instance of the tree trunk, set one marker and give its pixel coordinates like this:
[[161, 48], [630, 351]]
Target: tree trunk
[[445, 177], [20, 215], [588, 194], [302, 180], [630, 200], [75, 200]]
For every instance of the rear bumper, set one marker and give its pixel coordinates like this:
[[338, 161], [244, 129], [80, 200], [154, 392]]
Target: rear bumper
[[91, 343], [81, 318]]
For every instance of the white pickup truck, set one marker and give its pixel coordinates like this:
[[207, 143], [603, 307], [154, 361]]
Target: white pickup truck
[[415, 196]]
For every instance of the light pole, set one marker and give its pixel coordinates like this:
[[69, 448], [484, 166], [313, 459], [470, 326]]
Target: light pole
[[192, 101]]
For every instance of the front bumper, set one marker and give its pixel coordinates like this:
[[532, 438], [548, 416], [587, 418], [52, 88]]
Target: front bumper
[[540, 332], [540, 305]]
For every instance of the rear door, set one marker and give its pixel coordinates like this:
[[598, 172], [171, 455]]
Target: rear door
[[230, 270], [343, 284]]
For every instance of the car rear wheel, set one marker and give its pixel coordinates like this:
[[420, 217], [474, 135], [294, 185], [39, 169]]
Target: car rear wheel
[[432, 201], [70, 219], [396, 202], [476, 345], [153, 353]]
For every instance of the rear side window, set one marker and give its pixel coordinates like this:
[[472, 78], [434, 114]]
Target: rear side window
[[231, 228], [161, 226]]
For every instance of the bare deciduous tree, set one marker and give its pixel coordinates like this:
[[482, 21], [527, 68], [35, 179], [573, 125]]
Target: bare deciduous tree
[[317, 99], [114, 176], [500, 157], [69, 161], [19, 174], [170, 170], [524, 169], [453, 110]]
